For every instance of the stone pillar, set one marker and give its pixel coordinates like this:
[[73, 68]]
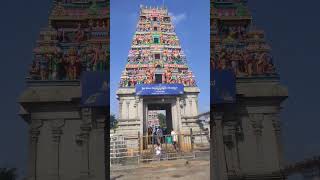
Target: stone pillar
[[197, 106], [232, 156], [220, 171], [186, 107], [85, 129], [120, 109], [33, 148], [56, 131], [194, 107], [235, 150], [85, 164], [128, 109], [145, 118], [136, 106], [277, 131], [174, 124], [179, 123], [183, 107], [140, 114], [97, 147], [256, 122], [175, 121], [34, 135], [190, 112]]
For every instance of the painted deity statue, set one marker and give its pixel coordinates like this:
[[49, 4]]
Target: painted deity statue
[[44, 67], [73, 64], [79, 34], [101, 63]]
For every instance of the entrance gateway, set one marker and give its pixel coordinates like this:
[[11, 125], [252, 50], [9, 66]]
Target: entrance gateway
[[156, 78], [181, 111]]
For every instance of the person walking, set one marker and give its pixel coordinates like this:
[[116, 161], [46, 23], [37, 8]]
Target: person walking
[[154, 132], [174, 139], [159, 135]]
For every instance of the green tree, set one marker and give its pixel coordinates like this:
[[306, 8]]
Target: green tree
[[162, 120], [113, 122], [8, 174]]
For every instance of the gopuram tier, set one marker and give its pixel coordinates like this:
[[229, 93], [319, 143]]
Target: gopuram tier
[[66, 136], [156, 47], [74, 42], [246, 133], [156, 60], [237, 44]]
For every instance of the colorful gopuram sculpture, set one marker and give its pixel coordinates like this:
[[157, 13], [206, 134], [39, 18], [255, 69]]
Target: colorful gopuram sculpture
[[237, 45], [246, 139], [66, 133], [75, 41], [156, 49]]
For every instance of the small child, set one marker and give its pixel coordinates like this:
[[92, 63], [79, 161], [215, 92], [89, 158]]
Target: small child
[[158, 151]]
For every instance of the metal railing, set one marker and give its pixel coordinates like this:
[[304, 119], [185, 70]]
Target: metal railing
[[125, 151]]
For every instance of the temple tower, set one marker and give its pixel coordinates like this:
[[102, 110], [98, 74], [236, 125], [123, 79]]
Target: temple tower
[[156, 77], [65, 113], [246, 132]]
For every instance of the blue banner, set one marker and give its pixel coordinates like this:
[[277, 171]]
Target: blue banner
[[94, 89], [224, 87], [159, 89]]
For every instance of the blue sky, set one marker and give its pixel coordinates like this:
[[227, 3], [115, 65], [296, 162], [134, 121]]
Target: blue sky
[[192, 23]]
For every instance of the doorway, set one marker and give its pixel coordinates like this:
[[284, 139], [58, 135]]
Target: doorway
[[158, 78], [158, 117], [161, 114]]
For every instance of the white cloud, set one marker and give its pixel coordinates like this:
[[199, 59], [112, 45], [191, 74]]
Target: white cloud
[[176, 19]]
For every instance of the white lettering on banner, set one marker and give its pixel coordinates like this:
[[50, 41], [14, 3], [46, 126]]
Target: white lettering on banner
[[159, 88]]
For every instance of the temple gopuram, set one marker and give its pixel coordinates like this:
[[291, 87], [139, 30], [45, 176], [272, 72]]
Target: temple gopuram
[[65, 101], [156, 51], [246, 98], [156, 77]]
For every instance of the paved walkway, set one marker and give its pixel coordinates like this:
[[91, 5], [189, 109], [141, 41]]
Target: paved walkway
[[175, 169]]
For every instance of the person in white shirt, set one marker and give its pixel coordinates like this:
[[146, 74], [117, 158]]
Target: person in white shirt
[[174, 139]]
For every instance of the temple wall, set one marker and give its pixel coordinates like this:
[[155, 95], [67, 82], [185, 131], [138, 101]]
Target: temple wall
[[63, 137], [251, 130], [272, 158], [259, 150], [130, 113], [248, 155], [246, 134], [66, 140], [190, 111]]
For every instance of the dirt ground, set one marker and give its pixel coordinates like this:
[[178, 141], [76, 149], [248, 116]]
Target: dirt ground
[[176, 169]]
